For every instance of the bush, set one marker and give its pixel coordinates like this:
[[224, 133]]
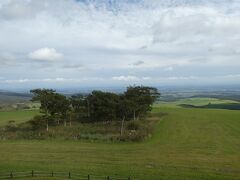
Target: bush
[[137, 131], [11, 126], [26, 107], [38, 122], [134, 135], [133, 125]]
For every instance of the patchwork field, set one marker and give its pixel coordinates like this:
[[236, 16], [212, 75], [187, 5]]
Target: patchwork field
[[187, 143], [197, 102]]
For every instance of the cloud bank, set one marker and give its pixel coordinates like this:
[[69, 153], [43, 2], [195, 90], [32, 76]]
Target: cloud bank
[[120, 42]]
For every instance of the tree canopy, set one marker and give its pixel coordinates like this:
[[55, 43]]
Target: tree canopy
[[97, 106]]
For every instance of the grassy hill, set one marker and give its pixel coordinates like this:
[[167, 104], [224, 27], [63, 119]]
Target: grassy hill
[[17, 116], [187, 143]]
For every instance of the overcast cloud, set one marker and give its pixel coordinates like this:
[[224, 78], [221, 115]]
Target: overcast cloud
[[108, 42]]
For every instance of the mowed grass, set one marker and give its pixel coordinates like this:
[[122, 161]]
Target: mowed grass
[[17, 116], [187, 144]]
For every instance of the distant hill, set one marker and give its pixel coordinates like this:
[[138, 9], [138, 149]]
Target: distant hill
[[230, 96], [229, 106], [7, 97]]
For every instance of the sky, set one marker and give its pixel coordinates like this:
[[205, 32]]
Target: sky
[[81, 43]]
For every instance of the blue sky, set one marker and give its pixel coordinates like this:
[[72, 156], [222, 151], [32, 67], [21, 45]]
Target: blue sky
[[67, 43]]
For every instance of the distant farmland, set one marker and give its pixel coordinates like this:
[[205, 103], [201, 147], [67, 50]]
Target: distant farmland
[[9, 97]]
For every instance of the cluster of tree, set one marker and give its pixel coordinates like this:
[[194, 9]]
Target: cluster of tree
[[134, 103]]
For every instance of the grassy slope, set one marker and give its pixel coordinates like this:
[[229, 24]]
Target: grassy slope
[[18, 116], [207, 139]]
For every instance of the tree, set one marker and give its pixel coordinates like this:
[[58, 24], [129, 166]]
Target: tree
[[44, 97], [123, 110], [103, 106], [80, 105], [52, 104], [141, 99], [60, 107]]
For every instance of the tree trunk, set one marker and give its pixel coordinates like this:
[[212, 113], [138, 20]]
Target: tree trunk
[[70, 121], [46, 121], [88, 109], [122, 126], [134, 115], [47, 126], [65, 123]]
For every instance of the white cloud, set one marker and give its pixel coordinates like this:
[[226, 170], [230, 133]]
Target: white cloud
[[146, 78], [50, 80], [125, 78], [148, 37], [183, 78], [45, 54], [131, 78]]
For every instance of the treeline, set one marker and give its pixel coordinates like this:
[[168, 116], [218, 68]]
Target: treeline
[[98, 106]]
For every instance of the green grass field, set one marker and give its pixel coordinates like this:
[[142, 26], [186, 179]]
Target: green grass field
[[17, 116], [196, 102], [203, 101], [187, 144]]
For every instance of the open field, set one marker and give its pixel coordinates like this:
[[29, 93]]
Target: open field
[[197, 102], [17, 116], [187, 143], [204, 101]]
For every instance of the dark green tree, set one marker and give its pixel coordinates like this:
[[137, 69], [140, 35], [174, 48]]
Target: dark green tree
[[123, 110], [141, 99], [80, 106], [103, 106], [60, 107], [44, 96], [53, 105]]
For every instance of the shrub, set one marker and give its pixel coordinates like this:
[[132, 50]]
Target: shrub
[[26, 107], [133, 125], [38, 122], [11, 126]]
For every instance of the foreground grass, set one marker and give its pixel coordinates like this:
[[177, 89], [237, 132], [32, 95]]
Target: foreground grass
[[187, 143], [17, 116]]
